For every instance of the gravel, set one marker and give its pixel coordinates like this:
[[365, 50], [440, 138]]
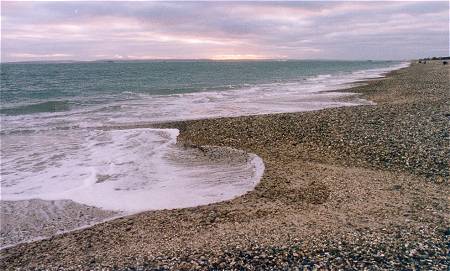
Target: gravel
[[349, 188]]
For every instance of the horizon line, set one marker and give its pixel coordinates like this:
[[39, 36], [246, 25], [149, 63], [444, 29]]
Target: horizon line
[[196, 59]]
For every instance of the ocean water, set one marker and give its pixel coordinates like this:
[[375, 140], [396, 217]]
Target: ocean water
[[58, 140]]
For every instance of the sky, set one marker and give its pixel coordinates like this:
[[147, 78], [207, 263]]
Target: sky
[[84, 30]]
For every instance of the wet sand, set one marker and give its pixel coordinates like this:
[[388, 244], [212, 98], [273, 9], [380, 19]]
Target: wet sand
[[26, 220], [354, 187]]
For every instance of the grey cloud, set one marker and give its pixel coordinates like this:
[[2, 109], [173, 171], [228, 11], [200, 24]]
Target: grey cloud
[[199, 29]]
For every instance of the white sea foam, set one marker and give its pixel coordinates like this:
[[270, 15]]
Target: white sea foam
[[121, 170]]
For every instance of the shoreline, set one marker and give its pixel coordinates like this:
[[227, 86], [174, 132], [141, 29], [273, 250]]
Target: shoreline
[[50, 210], [335, 181], [50, 218]]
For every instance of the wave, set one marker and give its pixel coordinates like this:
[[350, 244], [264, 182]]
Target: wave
[[50, 106], [134, 170]]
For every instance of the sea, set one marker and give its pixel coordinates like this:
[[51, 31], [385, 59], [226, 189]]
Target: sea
[[73, 131]]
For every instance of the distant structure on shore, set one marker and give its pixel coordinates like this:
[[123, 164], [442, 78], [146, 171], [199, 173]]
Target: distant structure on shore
[[436, 58], [424, 60]]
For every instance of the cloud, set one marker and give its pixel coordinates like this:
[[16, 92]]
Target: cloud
[[339, 30], [28, 55]]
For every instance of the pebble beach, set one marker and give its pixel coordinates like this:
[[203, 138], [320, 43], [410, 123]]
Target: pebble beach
[[351, 188]]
